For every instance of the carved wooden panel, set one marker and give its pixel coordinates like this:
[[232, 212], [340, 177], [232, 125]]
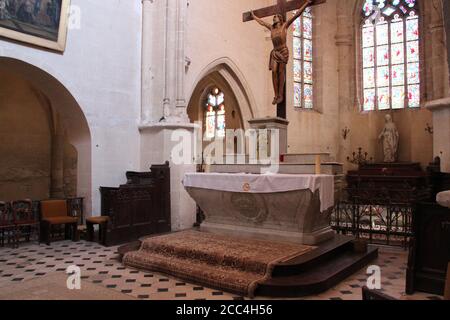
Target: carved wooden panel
[[139, 208]]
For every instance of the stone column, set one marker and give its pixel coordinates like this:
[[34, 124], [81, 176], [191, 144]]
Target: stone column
[[57, 164], [164, 107], [440, 75], [147, 76], [345, 50], [446, 15]]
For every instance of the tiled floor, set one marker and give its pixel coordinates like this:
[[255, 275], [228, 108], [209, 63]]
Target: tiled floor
[[100, 267]]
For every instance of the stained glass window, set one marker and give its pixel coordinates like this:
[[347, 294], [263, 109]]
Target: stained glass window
[[215, 124], [390, 54], [303, 61]]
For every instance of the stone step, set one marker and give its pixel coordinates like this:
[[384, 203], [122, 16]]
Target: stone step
[[339, 245], [284, 168], [319, 279], [306, 158]]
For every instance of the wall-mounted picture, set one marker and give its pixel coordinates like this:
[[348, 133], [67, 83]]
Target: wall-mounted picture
[[38, 22]]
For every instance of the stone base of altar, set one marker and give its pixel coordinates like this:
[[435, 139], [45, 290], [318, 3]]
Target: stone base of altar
[[311, 239]]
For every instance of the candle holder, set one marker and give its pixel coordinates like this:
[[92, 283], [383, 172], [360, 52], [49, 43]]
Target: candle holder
[[360, 158]]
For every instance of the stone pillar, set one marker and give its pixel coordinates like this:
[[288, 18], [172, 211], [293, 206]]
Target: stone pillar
[[446, 15], [57, 164], [147, 72], [346, 60], [272, 124], [440, 75], [441, 126], [168, 142], [180, 61], [164, 107], [163, 62]]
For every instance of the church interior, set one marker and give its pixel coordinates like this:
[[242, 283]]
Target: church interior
[[225, 150]]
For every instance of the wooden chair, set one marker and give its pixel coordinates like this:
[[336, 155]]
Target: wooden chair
[[55, 213], [25, 222], [6, 223], [103, 228], [447, 285], [75, 206]]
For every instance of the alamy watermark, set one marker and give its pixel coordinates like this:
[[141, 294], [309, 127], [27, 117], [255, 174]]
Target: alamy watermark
[[374, 279], [234, 147], [74, 18], [74, 279]]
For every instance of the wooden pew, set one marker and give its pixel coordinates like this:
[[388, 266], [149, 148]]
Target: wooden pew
[[139, 208]]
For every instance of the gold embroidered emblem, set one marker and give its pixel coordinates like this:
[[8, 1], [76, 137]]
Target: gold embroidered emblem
[[246, 187]]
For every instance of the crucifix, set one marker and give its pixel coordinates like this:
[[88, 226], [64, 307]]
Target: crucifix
[[279, 56]]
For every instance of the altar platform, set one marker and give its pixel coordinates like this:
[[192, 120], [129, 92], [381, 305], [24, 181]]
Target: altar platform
[[277, 222]]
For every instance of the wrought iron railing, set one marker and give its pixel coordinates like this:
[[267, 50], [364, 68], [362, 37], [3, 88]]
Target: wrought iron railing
[[380, 220]]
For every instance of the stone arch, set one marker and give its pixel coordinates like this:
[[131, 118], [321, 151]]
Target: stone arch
[[224, 71], [69, 115], [204, 87]]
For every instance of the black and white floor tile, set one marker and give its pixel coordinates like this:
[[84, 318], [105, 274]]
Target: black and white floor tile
[[100, 266]]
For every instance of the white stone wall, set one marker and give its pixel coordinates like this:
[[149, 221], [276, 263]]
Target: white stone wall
[[101, 69]]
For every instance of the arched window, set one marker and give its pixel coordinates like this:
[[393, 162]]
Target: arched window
[[390, 54], [303, 61], [215, 114]]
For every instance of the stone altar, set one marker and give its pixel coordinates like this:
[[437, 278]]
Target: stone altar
[[292, 208]]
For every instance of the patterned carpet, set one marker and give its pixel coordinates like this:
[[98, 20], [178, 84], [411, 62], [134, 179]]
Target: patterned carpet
[[226, 263], [101, 268]]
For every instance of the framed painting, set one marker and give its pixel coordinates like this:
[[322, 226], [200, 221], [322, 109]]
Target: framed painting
[[38, 22]]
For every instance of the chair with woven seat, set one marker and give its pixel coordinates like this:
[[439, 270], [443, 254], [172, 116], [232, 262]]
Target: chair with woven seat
[[55, 213], [25, 222], [103, 228], [6, 223]]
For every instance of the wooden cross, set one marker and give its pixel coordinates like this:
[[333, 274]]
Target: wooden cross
[[282, 7]]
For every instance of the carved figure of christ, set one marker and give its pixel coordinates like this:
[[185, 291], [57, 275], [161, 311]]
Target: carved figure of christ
[[279, 56]]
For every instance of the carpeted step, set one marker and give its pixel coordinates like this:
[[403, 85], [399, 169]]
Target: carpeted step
[[239, 253], [218, 261]]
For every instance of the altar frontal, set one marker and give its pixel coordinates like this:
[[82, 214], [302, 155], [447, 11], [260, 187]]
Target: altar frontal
[[293, 208]]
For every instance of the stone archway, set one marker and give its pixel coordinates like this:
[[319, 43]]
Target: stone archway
[[226, 75], [196, 107], [50, 137]]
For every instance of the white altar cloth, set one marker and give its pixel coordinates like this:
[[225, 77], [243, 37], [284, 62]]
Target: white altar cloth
[[265, 183], [443, 199]]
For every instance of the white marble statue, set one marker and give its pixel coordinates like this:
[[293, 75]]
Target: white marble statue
[[390, 138]]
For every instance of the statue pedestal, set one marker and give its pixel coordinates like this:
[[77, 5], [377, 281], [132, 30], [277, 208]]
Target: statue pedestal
[[441, 126], [273, 124]]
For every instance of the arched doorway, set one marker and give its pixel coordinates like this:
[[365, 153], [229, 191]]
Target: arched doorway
[[45, 141]]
